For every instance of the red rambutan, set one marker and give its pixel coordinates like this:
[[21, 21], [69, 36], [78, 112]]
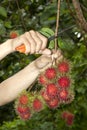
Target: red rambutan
[[45, 96], [51, 90], [64, 81], [64, 114], [25, 115], [23, 99], [50, 73], [13, 34], [68, 117], [53, 103], [63, 94], [63, 67], [37, 105], [21, 109], [42, 80]]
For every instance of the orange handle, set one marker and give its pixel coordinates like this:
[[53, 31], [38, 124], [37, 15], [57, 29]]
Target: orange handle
[[21, 48]]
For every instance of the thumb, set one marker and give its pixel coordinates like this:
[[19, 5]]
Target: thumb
[[43, 61]]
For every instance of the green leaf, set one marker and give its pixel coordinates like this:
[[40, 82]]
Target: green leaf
[[8, 24], [3, 11]]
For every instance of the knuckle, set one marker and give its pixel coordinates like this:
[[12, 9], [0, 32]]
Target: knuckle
[[26, 33], [32, 31]]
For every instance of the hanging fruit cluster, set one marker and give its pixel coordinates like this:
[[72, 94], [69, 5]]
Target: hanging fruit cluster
[[57, 89]]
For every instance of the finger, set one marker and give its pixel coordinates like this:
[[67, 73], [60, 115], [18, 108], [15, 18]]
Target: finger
[[45, 52], [31, 41], [56, 54], [44, 40], [59, 58], [37, 40]]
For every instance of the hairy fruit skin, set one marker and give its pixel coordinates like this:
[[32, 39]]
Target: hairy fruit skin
[[63, 67], [68, 117], [50, 73], [63, 94], [53, 103], [13, 34], [25, 116], [23, 99], [52, 90], [64, 82], [42, 80], [37, 105], [21, 109], [45, 96]]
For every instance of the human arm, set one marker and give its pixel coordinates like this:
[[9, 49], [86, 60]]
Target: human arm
[[11, 87], [34, 43]]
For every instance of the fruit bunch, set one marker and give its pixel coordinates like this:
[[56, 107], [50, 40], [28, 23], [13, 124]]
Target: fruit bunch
[[56, 89], [68, 117]]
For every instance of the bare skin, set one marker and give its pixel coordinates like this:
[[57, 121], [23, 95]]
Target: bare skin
[[34, 43]]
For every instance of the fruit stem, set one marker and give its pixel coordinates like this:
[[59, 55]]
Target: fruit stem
[[57, 24]]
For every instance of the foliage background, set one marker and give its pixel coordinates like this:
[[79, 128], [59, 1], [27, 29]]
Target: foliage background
[[23, 15]]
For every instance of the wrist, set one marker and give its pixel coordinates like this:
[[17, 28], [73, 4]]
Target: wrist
[[8, 46]]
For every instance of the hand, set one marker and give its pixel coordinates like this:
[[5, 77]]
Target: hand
[[46, 61], [34, 43]]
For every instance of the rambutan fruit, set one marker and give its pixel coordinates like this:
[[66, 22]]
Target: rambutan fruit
[[63, 94], [25, 115], [53, 103], [23, 99], [37, 105], [42, 80], [50, 73], [45, 96], [70, 97], [63, 66], [64, 81], [13, 34], [64, 114], [52, 90], [22, 109], [68, 117]]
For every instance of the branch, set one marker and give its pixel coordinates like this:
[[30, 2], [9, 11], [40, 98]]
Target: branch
[[79, 14], [57, 23], [22, 21]]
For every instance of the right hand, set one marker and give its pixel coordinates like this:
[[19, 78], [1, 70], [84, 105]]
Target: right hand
[[33, 41], [46, 61]]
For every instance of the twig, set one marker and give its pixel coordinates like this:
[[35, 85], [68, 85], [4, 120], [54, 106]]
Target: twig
[[22, 21], [57, 23], [79, 14]]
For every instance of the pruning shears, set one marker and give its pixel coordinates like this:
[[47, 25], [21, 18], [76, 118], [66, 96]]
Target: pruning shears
[[22, 47]]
